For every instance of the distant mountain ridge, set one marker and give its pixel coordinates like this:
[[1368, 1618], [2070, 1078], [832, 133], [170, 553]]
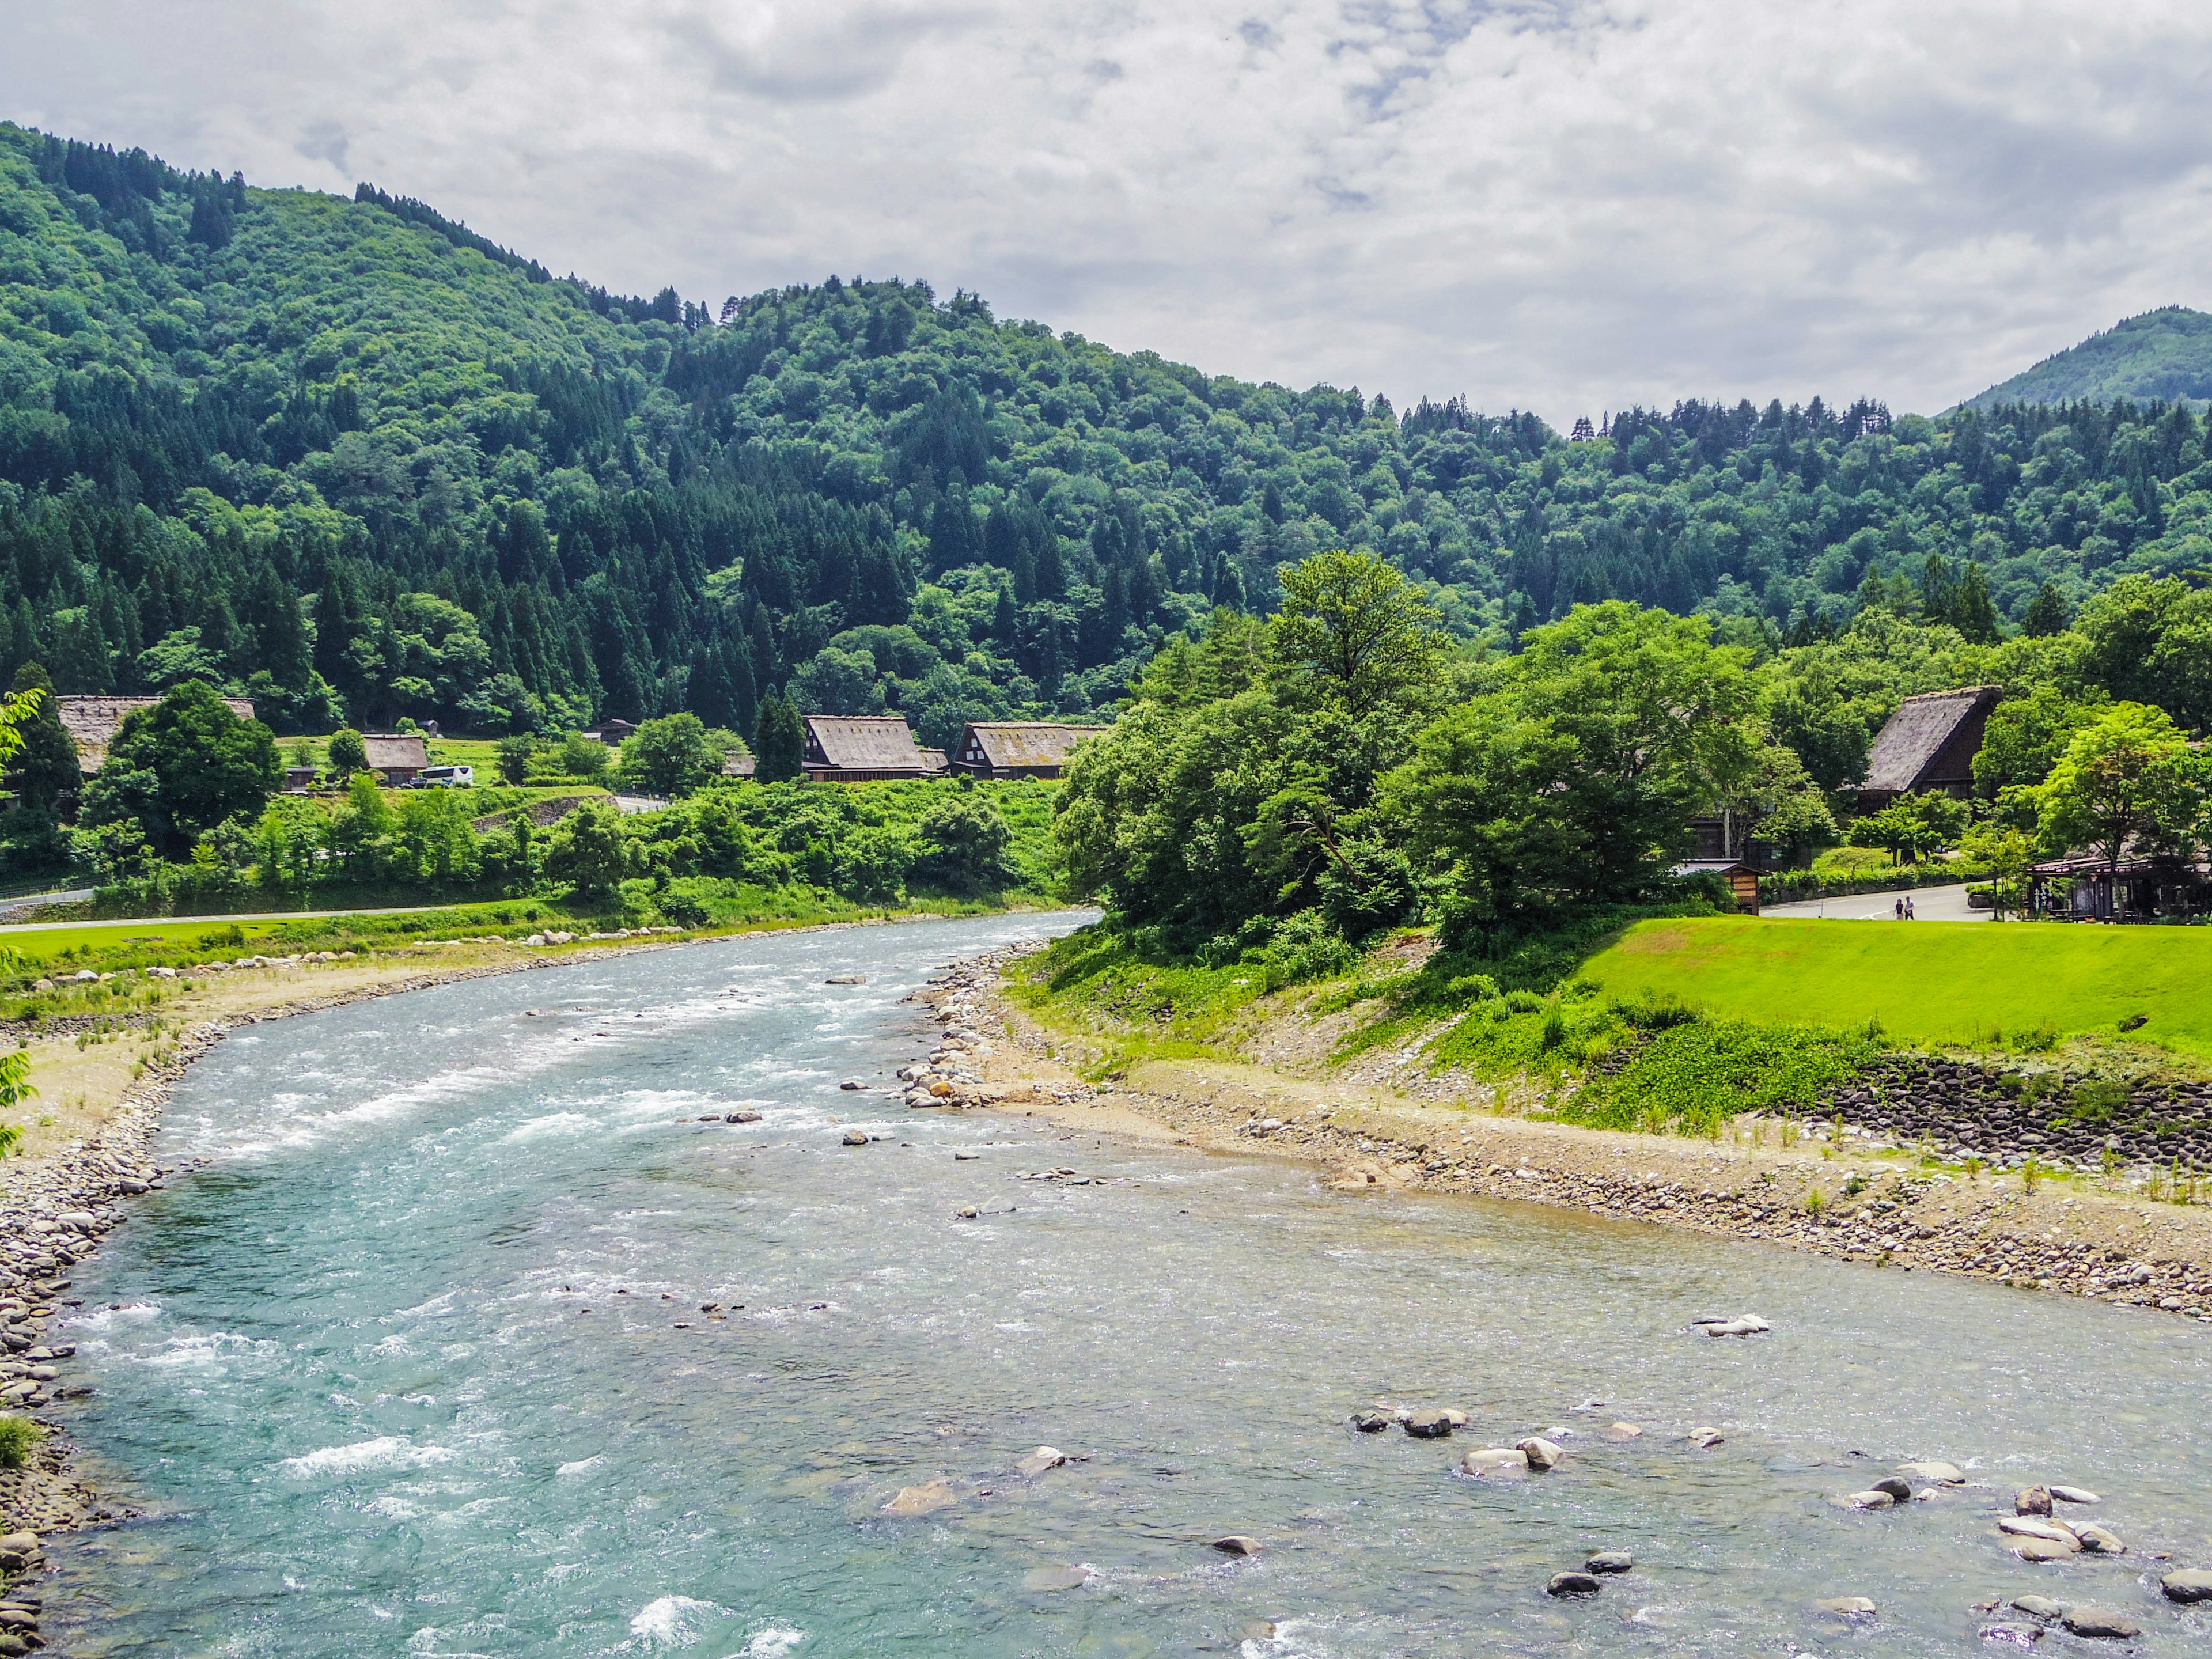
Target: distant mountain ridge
[[2165, 354]]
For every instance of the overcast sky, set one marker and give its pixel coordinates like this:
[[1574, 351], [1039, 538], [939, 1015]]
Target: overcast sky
[[1540, 203]]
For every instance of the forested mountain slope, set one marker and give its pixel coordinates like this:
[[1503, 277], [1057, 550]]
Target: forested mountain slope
[[2164, 353], [359, 463]]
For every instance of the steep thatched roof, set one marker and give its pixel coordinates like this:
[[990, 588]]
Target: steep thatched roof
[[93, 722], [395, 751], [1019, 745], [866, 743], [1912, 738]]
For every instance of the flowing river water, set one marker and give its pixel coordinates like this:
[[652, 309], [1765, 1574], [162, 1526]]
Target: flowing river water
[[417, 1365]]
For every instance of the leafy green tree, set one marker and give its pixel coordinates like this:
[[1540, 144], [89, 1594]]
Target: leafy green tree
[[1360, 629], [2127, 785], [584, 757], [347, 752], [963, 841], [1912, 827], [2008, 854], [43, 768], [516, 754], [779, 742], [670, 755], [585, 852], [2045, 614], [2026, 736], [207, 765]]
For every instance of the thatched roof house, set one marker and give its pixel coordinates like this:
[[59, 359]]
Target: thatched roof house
[[1929, 744], [396, 756], [866, 747], [1017, 748], [93, 722]]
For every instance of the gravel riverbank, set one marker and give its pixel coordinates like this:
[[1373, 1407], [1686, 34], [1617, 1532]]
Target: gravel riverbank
[[1843, 1199]]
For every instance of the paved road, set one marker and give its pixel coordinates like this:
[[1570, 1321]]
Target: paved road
[[32, 901], [1929, 904], [213, 921]]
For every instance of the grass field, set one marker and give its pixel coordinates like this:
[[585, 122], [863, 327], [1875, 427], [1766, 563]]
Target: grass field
[[1931, 983]]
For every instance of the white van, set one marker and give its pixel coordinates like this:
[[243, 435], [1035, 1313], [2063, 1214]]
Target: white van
[[446, 777]]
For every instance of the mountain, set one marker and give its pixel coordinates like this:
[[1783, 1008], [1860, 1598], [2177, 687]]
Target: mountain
[[2165, 354], [352, 459]]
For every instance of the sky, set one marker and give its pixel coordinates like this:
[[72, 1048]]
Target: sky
[[1542, 204]]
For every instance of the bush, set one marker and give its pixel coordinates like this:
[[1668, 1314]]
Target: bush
[[1305, 947], [1471, 988], [18, 1435]]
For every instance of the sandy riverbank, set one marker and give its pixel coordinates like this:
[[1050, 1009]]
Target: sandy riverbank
[[1369, 1137]]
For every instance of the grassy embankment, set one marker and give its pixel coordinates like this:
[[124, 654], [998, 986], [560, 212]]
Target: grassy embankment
[[1680, 1024]]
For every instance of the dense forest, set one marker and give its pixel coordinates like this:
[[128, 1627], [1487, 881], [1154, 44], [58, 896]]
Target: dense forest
[[359, 463]]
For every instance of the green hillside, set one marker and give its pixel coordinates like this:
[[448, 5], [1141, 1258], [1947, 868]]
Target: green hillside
[[348, 457], [2165, 354], [1930, 982]]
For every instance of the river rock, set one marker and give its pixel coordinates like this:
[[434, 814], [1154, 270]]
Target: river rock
[[2040, 1606], [2188, 1586], [1370, 1422], [1617, 1431], [1897, 1486], [1609, 1561], [967, 1213], [1236, 1544], [2045, 1549], [741, 1117], [1541, 1454], [1867, 1500], [1949, 1474], [1705, 1439], [2013, 1636], [2031, 1500], [848, 1085], [1043, 1458], [921, 1500], [2075, 1495], [1847, 1607], [1572, 1583], [2024, 1526], [1742, 1325], [12, 1645], [856, 1136], [845, 979], [2100, 1621], [1495, 1461], [1458, 1419], [2100, 1541], [1054, 1578], [1429, 1426]]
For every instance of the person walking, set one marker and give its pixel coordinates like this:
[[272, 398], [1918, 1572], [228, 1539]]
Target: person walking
[[1910, 915], [1899, 908]]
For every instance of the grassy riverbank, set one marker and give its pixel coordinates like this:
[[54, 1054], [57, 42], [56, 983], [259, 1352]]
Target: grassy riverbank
[[2019, 987]]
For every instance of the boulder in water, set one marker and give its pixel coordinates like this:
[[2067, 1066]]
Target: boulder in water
[[2031, 1500], [2045, 1549], [1948, 1474], [1572, 1583], [2040, 1606], [1429, 1426], [1705, 1439], [2188, 1586], [1847, 1607], [1609, 1561], [1619, 1431], [1054, 1578], [2075, 1495], [1237, 1544], [1897, 1486], [856, 1136], [1541, 1454], [2013, 1636], [1869, 1499], [2097, 1540], [2100, 1621], [921, 1500], [1370, 1422], [741, 1117], [2026, 1526], [1495, 1461], [1043, 1458]]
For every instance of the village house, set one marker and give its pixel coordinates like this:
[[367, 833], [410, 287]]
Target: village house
[[1016, 748], [93, 722], [866, 749], [1927, 746], [395, 758]]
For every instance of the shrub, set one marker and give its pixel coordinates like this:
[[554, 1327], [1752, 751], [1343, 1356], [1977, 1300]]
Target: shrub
[[18, 1435], [1471, 988], [1522, 1001]]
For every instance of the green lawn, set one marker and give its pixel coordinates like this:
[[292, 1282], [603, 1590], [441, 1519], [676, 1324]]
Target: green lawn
[[1930, 982]]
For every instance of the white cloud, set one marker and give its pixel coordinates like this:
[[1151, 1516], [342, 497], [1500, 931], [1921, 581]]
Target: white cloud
[[1562, 204]]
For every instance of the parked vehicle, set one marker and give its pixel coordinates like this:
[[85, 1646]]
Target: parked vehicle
[[446, 777]]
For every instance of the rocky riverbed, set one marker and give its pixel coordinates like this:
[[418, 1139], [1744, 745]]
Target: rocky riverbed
[[1836, 1195]]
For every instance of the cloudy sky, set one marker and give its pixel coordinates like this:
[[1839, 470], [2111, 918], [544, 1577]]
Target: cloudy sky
[[1541, 204]]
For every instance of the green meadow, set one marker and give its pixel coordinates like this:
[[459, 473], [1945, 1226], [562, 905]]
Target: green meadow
[[1926, 983]]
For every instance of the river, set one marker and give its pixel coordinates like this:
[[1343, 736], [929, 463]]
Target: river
[[417, 1363]]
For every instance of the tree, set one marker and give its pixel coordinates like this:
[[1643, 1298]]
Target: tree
[[347, 753], [2127, 785], [2026, 736], [1359, 628], [2007, 854], [515, 754], [779, 742], [1911, 827], [585, 852], [584, 757], [670, 755], [207, 765], [43, 767], [963, 845], [2045, 614]]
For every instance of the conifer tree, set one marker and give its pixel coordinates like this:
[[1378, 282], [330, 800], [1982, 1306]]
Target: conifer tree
[[778, 741]]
